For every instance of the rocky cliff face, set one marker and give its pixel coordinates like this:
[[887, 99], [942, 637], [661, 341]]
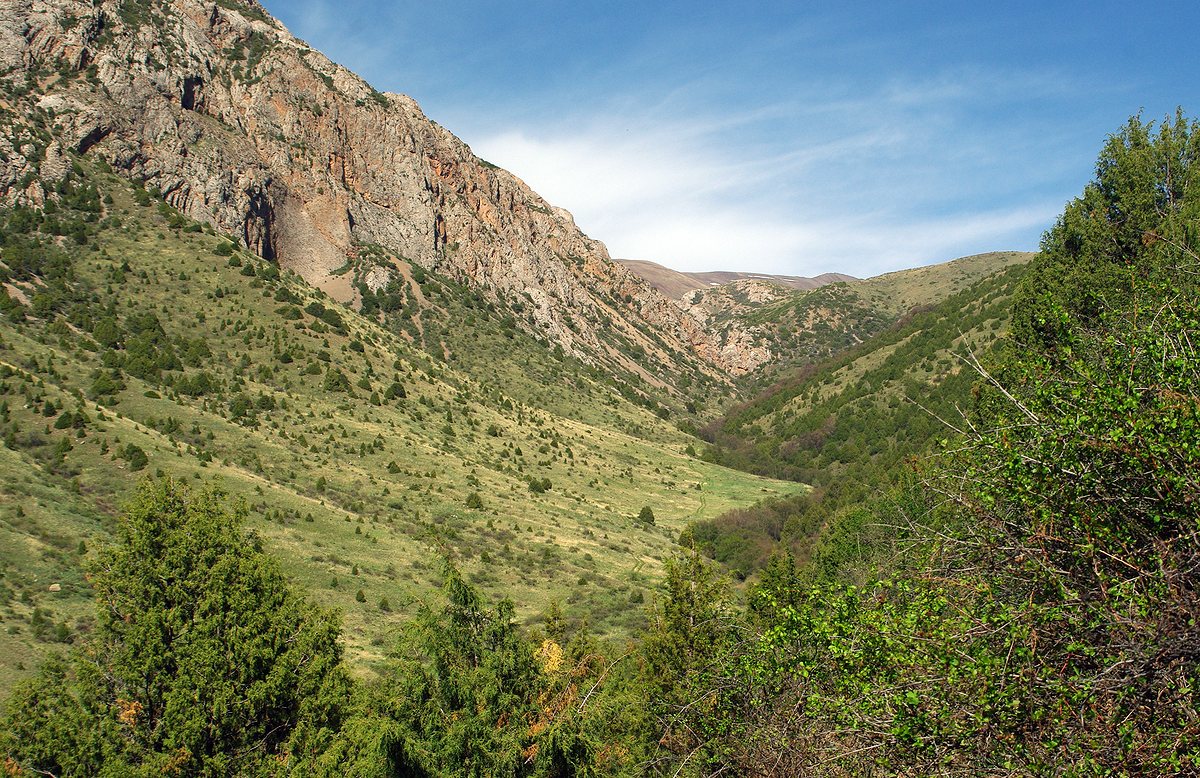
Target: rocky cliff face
[[243, 126]]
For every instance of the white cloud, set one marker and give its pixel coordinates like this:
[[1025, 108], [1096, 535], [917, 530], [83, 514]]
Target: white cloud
[[687, 197], [746, 159]]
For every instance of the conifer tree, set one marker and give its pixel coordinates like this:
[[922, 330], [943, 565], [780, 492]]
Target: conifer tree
[[203, 661]]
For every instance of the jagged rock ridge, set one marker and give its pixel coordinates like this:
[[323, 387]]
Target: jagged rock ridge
[[241, 125]]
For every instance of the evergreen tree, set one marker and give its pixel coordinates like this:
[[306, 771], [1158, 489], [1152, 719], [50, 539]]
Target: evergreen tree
[[203, 661], [689, 678]]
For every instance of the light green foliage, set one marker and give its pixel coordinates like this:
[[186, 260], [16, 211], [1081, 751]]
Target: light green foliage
[[1053, 629], [203, 661]]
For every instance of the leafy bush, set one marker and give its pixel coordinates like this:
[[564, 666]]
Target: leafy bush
[[135, 456]]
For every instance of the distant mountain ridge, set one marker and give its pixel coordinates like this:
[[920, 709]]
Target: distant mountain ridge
[[799, 321], [675, 283]]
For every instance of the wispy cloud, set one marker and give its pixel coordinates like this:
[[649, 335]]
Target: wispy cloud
[[794, 139], [875, 183]]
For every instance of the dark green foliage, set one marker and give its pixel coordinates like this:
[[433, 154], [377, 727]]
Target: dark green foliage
[[335, 381], [135, 456], [242, 409], [105, 384], [327, 315], [196, 384], [388, 299], [136, 13], [142, 347], [467, 696], [646, 516], [689, 674], [107, 333], [1140, 210], [743, 540], [12, 309], [30, 247], [202, 661]]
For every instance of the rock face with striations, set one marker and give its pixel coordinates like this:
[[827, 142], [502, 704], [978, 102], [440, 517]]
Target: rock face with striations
[[243, 126]]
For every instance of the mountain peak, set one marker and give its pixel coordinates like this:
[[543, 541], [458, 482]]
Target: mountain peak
[[243, 126]]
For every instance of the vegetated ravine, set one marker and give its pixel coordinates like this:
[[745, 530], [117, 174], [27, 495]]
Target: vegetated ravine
[[352, 461]]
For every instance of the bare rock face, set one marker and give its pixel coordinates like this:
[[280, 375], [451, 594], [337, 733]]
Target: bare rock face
[[243, 126]]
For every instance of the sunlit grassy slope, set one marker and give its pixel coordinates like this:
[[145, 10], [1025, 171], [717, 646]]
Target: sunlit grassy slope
[[528, 470], [903, 386], [806, 327]]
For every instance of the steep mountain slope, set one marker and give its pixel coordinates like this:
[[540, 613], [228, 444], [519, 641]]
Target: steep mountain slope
[[847, 425], [792, 328], [242, 126], [135, 342]]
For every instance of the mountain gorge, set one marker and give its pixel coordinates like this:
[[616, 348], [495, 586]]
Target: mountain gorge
[[792, 322], [328, 448], [210, 302], [382, 327]]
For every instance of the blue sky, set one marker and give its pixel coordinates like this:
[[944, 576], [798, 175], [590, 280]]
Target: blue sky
[[782, 137]]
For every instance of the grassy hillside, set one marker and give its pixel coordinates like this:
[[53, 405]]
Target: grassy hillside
[[848, 424], [801, 328], [136, 343]]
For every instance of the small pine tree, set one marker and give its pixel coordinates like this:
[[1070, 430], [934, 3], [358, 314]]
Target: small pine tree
[[335, 381], [202, 658]]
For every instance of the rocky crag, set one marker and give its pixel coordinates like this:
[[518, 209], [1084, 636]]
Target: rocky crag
[[241, 125]]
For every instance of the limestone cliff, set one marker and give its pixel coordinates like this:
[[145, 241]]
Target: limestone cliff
[[241, 125]]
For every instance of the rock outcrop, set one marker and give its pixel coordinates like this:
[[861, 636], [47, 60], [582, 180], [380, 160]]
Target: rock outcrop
[[239, 124]]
